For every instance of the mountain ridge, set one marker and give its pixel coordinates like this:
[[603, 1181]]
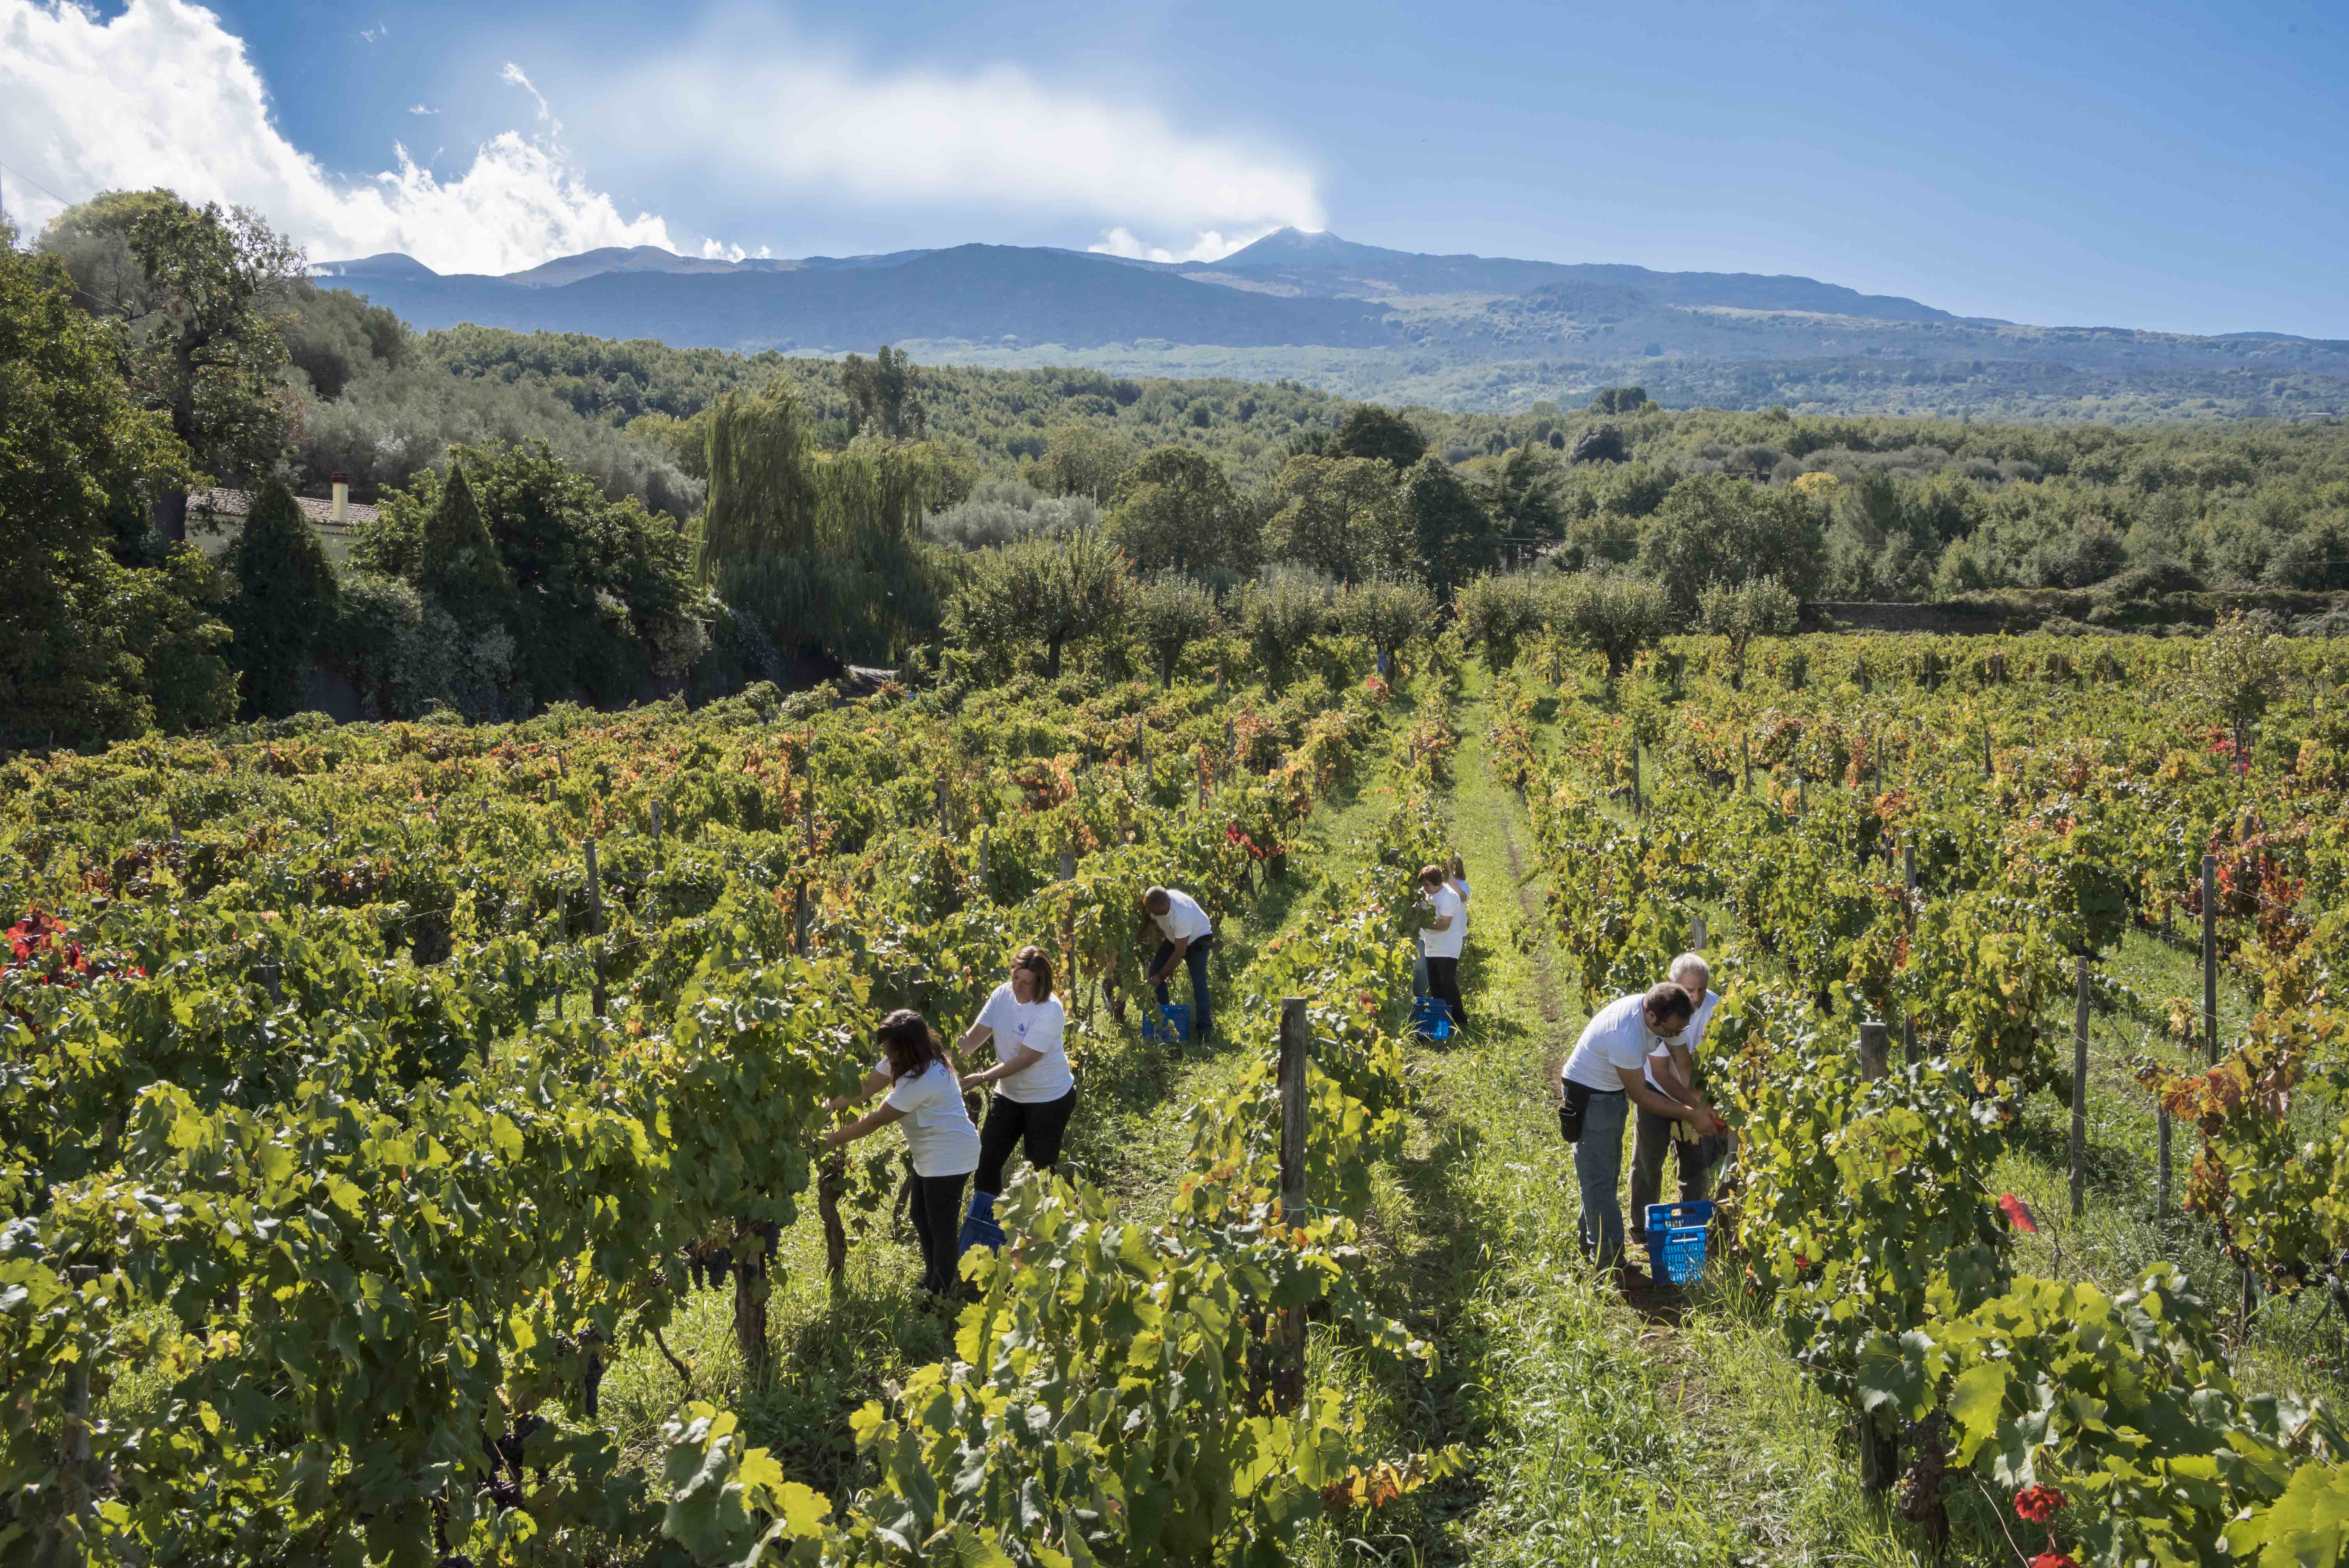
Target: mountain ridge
[[1291, 299]]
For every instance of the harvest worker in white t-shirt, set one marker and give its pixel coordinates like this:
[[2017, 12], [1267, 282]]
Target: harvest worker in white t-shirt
[[1672, 1071], [1188, 933], [1442, 939], [1034, 1090], [927, 1097], [1604, 1078]]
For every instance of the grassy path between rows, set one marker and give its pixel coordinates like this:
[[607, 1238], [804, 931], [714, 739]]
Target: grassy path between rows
[[1599, 1430]]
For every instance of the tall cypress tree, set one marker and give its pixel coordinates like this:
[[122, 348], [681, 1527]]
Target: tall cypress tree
[[461, 567], [284, 600]]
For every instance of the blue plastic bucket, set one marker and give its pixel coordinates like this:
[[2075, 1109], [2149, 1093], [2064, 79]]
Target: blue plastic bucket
[[978, 1226], [1433, 1017], [1171, 1024]]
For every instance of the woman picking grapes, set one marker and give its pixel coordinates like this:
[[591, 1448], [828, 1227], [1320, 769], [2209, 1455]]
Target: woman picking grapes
[[926, 1095]]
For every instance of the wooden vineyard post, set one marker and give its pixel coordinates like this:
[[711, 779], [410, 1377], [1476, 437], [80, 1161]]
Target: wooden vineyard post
[[2211, 958], [1068, 864], [2080, 1086], [1296, 1043], [1802, 795], [940, 789], [1639, 807], [753, 1248], [1696, 934], [1909, 882], [1862, 668], [73, 1451], [1142, 751], [986, 881], [2161, 1167], [1874, 1046], [2244, 1329], [800, 918], [595, 925], [657, 822], [831, 1182], [1987, 769]]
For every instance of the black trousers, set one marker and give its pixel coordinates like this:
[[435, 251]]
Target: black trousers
[[937, 1221], [1010, 1123], [1443, 980]]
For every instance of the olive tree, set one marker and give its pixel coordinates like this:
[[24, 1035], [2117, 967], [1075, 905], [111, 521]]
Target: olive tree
[[1757, 607], [1387, 612], [2237, 673], [1497, 613], [1279, 614], [1614, 613], [1169, 612], [1048, 591]]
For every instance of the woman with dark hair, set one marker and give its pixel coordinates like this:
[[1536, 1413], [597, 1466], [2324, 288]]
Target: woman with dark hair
[[1035, 1092], [924, 1094]]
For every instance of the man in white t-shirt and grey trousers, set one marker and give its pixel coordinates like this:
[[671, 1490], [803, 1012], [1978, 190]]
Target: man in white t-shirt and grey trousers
[[1604, 1078], [1672, 1071], [1187, 933]]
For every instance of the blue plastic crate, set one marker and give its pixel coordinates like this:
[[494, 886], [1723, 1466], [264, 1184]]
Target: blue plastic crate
[[1170, 1025], [1433, 1017], [1681, 1257], [1676, 1239], [1697, 1211]]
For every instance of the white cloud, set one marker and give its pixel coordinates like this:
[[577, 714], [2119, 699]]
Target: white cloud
[[164, 95], [993, 139], [374, 35], [420, 109], [1210, 246], [715, 251]]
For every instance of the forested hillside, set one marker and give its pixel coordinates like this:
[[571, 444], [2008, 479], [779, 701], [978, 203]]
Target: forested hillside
[[571, 517]]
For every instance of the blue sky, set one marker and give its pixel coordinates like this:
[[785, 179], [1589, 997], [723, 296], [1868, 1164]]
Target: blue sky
[[2167, 166]]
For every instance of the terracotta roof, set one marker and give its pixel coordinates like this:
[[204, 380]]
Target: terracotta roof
[[232, 503]]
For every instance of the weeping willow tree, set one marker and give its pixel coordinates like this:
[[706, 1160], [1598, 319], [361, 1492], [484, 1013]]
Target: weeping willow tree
[[822, 549]]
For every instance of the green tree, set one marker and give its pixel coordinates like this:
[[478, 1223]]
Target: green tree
[[1757, 607], [1048, 591], [1343, 516], [1497, 613], [884, 395], [1279, 614], [592, 595], [1389, 613], [1174, 509], [2238, 671], [1522, 496], [1370, 431], [197, 291], [1619, 399], [459, 564], [90, 649], [1169, 612], [822, 550], [1452, 536], [1711, 527], [1081, 460], [1614, 613], [284, 603]]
